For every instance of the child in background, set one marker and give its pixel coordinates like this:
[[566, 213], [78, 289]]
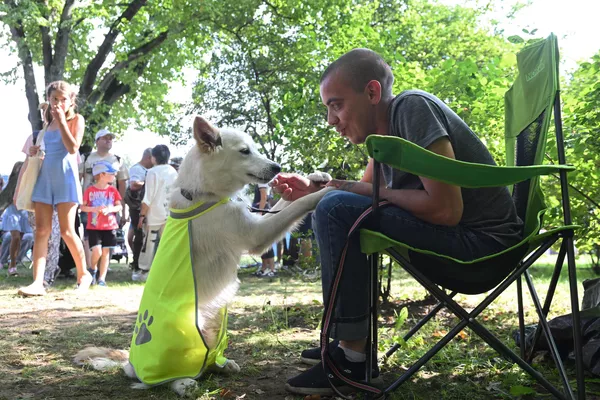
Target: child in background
[[102, 201]]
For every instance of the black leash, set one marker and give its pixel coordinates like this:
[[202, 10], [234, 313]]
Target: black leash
[[254, 209]]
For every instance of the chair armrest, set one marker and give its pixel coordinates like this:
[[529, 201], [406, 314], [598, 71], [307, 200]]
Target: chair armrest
[[409, 157]]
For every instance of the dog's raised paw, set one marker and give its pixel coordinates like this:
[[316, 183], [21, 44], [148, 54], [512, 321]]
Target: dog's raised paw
[[142, 331]]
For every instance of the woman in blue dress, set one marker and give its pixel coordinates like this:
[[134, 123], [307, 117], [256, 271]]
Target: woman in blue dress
[[58, 185]]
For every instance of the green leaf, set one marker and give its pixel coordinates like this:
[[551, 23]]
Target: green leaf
[[519, 390]]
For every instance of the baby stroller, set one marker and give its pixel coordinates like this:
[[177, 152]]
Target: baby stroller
[[120, 251]]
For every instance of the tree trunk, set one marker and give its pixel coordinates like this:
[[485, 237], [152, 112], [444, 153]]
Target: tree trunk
[[33, 101]]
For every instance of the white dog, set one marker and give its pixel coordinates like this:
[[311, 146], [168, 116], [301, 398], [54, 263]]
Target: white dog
[[221, 164]]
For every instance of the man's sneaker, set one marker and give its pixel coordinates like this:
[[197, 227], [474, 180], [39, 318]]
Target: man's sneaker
[[260, 273], [139, 276], [315, 380], [269, 274], [102, 284], [94, 274], [313, 356]]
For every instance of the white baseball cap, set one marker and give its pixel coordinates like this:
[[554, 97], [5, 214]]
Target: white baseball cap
[[103, 132]]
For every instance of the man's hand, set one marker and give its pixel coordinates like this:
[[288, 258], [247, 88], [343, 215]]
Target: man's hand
[[141, 222], [292, 186], [362, 188]]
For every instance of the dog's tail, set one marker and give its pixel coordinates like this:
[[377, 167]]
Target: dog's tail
[[102, 359]]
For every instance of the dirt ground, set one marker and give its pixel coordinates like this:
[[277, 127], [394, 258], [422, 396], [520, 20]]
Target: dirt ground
[[270, 322], [39, 336]]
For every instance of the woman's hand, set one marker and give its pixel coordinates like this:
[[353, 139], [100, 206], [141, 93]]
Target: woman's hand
[[33, 150], [58, 114], [362, 188]]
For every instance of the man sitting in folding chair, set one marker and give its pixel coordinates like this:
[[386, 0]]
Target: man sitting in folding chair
[[461, 223]]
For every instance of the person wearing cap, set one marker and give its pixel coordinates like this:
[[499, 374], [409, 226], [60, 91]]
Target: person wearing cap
[[102, 202], [155, 208], [104, 141]]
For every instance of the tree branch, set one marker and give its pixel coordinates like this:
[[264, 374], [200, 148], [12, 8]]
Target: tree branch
[[134, 55], [61, 44], [91, 72], [46, 43]]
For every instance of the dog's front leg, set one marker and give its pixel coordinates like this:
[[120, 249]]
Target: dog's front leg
[[280, 205], [269, 230]]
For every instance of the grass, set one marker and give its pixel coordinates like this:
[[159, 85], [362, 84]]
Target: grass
[[270, 322]]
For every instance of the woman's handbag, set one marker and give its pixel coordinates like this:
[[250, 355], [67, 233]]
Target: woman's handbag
[[29, 177]]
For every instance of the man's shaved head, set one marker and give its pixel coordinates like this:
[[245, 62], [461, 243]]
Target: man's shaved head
[[359, 67]]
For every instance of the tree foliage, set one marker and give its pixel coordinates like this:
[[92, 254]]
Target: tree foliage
[[581, 113], [122, 56], [264, 76], [258, 65]]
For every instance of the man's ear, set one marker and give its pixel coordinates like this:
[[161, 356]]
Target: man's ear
[[373, 90], [207, 136]]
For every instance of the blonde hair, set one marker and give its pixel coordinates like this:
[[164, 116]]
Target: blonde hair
[[63, 87]]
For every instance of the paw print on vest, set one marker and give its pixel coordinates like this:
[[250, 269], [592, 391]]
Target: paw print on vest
[[142, 332]]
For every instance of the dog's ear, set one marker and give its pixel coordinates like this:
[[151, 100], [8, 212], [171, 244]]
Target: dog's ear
[[206, 135]]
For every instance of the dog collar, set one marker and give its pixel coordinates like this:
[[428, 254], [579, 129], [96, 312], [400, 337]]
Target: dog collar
[[197, 209], [190, 195]]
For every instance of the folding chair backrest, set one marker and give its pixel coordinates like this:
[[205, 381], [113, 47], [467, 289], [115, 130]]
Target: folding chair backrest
[[528, 111]]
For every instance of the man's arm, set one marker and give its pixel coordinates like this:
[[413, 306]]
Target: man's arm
[[439, 203], [136, 185], [122, 183]]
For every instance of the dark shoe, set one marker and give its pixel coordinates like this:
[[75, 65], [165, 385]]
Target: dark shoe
[[94, 274], [315, 380], [313, 356]]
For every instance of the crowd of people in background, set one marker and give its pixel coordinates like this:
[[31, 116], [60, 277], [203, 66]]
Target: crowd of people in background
[[84, 199]]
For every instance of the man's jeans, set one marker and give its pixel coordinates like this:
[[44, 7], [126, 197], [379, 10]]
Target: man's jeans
[[332, 220]]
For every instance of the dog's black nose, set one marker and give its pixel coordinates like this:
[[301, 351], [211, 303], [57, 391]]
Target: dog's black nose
[[276, 168]]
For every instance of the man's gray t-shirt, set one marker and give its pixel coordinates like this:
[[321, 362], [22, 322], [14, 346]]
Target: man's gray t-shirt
[[422, 118]]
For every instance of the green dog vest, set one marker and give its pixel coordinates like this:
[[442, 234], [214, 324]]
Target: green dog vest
[[167, 343]]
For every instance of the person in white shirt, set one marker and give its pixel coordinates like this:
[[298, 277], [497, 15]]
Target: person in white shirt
[[155, 207]]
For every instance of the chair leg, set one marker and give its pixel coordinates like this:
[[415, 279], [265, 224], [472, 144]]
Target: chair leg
[[373, 294], [576, 319], [469, 319], [549, 338], [549, 296], [521, 317]]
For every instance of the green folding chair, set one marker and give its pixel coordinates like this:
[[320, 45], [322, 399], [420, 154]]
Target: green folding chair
[[529, 105]]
